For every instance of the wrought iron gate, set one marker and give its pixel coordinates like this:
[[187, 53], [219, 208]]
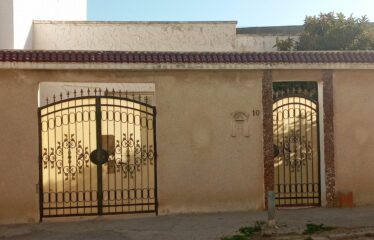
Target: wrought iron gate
[[296, 144], [97, 154]]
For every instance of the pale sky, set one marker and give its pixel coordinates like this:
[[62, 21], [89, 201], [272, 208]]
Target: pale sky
[[248, 13]]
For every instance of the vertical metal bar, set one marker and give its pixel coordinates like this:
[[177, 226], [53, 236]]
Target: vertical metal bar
[[134, 155], [277, 185], [307, 146], [289, 153], [295, 148], [300, 155], [128, 158], [107, 146], [69, 177], [121, 152], [76, 155], [84, 164], [311, 142], [41, 215], [155, 159], [48, 163], [89, 150], [99, 148], [279, 143], [148, 160], [55, 147], [319, 151], [62, 159], [284, 157], [114, 154], [141, 137]]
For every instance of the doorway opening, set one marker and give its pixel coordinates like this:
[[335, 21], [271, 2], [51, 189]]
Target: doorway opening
[[296, 144], [97, 153]]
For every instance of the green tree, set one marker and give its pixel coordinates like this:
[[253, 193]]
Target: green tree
[[285, 44], [331, 31]]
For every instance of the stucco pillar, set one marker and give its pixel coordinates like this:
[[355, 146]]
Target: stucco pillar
[[267, 121], [328, 121]]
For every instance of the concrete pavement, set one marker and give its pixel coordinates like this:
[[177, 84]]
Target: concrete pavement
[[186, 226]]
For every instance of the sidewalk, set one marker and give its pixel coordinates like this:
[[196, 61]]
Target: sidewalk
[[191, 226]]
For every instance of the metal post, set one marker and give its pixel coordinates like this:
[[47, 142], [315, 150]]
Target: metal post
[[99, 167], [271, 208]]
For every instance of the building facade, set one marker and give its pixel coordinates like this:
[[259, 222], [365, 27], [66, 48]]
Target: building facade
[[214, 146], [103, 118]]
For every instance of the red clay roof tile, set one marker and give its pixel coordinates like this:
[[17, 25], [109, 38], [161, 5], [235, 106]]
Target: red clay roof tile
[[183, 57]]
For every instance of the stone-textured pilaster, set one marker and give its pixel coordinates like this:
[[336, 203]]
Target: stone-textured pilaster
[[267, 121], [328, 121]]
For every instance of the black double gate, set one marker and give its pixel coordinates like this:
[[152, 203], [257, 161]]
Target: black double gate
[[97, 154]]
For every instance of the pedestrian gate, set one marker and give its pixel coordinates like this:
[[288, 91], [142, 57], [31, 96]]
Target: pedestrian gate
[[97, 154], [296, 144]]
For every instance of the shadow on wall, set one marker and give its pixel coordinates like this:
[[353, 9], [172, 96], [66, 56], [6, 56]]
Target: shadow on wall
[[29, 39]]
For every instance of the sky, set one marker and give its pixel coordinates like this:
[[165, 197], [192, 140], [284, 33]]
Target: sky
[[248, 13]]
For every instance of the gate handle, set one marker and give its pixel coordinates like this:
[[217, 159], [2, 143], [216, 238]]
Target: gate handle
[[99, 156]]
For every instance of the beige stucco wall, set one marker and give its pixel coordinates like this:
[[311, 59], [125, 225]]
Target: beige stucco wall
[[201, 168], [297, 75], [6, 24], [135, 36], [258, 43], [148, 36], [19, 166], [354, 134]]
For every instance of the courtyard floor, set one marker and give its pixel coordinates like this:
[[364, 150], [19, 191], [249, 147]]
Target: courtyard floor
[[356, 223]]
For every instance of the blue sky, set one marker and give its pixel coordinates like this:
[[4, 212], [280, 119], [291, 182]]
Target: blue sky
[[247, 12]]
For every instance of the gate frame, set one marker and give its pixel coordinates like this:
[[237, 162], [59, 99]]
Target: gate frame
[[321, 166], [325, 84], [97, 96]]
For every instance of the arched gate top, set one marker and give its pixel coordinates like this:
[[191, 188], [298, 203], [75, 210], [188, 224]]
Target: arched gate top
[[307, 90], [135, 97]]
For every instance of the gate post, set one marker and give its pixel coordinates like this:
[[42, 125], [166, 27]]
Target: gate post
[[328, 122], [267, 123], [271, 208]]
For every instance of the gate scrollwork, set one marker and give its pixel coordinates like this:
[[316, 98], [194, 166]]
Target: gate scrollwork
[[139, 154], [54, 157], [295, 152]]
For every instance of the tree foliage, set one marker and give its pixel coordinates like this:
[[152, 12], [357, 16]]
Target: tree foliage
[[285, 44], [331, 31]]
